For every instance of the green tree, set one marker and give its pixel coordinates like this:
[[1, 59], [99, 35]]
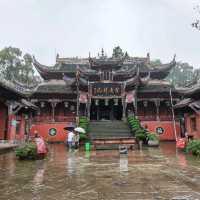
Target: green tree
[[15, 67], [10, 61], [25, 71], [181, 75], [156, 62]]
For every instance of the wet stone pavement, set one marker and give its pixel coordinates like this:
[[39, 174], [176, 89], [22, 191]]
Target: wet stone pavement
[[154, 173]]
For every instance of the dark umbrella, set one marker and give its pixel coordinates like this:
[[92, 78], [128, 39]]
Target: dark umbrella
[[69, 128]]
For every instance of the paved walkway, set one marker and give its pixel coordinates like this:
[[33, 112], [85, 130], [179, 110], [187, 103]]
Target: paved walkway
[[151, 174], [7, 146]]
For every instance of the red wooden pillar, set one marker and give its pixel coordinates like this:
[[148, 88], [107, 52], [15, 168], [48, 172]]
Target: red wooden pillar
[[11, 127], [22, 128], [3, 121]]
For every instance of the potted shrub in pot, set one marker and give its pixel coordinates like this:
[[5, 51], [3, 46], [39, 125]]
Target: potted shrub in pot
[[153, 140], [27, 152], [140, 135]]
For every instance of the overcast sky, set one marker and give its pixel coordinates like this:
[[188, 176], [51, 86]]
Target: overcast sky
[[75, 27]]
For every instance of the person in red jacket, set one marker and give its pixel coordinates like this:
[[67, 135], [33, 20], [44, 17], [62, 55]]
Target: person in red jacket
[[41, 146]]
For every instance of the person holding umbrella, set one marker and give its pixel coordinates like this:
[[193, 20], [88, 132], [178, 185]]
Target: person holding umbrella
[[70, 141], [78, 130]]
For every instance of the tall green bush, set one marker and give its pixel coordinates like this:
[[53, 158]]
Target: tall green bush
[[139, 132], [28, 151], [84, 123], [193, 147]]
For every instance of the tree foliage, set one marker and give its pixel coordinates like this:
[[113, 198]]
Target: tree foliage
[[10, 61], [156, 62], [15, 66], [183, 75]]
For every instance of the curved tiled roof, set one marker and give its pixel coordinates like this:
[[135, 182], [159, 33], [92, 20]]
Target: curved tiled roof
[[14, 88], [124, 66], [189, 91], [53, 86]]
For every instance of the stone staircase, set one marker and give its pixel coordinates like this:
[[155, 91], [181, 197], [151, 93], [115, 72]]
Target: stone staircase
[[110, 134]]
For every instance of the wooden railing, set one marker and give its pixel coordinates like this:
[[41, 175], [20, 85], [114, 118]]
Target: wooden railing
[[56, 119]]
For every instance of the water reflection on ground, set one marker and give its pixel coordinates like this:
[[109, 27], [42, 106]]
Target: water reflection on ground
[[152, 173]]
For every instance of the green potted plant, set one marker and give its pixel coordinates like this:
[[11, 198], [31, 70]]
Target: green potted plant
[[140, 135], [152, 140], [27, 152]]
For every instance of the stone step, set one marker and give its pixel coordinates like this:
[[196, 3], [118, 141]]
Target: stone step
[[109, 129], [107, 147], [112, 147], [123, 125], [115, 143], [108, 123], [114, 134], [110, 136]]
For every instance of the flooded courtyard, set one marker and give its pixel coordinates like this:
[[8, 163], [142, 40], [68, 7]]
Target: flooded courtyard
[[154, 173]]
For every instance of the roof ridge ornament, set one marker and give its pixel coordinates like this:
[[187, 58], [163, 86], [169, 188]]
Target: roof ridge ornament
[[148, 57], [102, 52], [174, 58]]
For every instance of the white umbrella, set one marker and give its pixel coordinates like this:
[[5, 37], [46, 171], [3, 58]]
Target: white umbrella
[[79, 129]]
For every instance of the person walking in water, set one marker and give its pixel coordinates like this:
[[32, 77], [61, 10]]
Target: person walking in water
[[71, 140], [40, 144], [76, 139]]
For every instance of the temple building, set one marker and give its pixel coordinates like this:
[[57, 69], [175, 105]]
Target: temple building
[[104, 89], [15, 111], [189, 109]]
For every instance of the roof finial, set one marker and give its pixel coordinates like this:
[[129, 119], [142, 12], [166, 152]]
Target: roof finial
[[102, 52], [148, 57], [174, 59], [57, 55]]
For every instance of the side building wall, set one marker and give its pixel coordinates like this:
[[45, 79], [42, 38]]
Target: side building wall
[[192, 125], [51, 131], [12, 127], [3, 121]]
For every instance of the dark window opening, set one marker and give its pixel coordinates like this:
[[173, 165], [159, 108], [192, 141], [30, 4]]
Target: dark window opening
[[193, 123]]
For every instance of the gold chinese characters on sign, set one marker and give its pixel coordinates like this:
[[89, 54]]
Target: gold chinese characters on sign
[[106, 89]]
